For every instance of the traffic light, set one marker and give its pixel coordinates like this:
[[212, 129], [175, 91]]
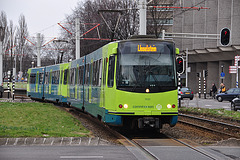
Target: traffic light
[[180, 65], [225, 36], [206, 73], [198, 74]]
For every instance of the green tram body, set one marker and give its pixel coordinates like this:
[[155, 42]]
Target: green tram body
[[124, 83]]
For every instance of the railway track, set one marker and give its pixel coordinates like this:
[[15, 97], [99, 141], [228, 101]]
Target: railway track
[[221, 128], [138, 142]]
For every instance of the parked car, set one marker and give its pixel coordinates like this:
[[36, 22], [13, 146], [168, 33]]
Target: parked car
[[186, 92], [229, 95], [235, 104]]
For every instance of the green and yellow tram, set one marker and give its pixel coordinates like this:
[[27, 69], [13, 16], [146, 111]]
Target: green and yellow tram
[[128, 83]]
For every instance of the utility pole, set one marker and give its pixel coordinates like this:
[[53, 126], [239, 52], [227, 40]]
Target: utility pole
[[142, 17], [199, 84], [77, 25], [38, 50], [15, 64], [187, 69]]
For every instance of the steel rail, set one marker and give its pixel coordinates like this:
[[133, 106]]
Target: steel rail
[[142, 149], [208, 120], [206, 128], [116, 134], [203, 152], [138, 146]]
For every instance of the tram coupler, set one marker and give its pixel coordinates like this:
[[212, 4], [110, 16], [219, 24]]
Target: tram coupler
[[148, 122]]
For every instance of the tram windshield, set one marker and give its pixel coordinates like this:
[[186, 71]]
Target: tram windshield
[[146, 64]]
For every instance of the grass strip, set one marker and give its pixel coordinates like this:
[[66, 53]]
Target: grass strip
[[38, 120]]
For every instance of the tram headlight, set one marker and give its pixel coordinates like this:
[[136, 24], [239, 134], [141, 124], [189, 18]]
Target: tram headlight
[[169, 106], [147, 90], [125, 106]]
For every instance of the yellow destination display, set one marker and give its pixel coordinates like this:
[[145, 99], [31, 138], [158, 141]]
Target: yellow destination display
[[147, 48]]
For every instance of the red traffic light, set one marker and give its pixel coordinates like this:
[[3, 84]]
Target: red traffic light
[[225, 36], [180, 65]]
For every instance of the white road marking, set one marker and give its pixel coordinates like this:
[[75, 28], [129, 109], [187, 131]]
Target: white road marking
[[15, 142], [52, 142], [80, 157], [44, 139], [89, 141], [71, 140], [25, 141], [80, 141], [6, 142]]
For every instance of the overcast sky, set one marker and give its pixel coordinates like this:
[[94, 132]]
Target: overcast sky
[[41, 16]]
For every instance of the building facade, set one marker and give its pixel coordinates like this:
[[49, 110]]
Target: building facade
[[159, 16], [206, 54]]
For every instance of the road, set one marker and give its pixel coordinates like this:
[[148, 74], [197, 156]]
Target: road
[[165, 151], [206, 103], [64, 152]]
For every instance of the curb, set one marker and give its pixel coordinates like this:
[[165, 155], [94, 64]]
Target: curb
[[58, 141]]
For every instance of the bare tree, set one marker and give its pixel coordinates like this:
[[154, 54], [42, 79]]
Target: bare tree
[[11, 42], [87, 11], [22, 33], [3, 25], [159, 18], [4, 36]]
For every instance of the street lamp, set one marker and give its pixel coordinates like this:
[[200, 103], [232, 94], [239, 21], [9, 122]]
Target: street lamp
[[58, 41], [32, 64]]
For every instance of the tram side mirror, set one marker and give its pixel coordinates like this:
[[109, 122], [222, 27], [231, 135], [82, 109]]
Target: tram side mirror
[[114, 51], [177, 50]]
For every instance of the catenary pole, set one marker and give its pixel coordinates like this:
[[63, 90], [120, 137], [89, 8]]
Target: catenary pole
[[77, 25], [38, 50], [142, 17], [187, 67]]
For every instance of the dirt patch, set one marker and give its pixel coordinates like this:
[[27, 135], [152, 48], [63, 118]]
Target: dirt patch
[[180, 131], [97, 128]]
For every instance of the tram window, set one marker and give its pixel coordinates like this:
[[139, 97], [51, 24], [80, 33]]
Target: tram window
[[99, 74], [104, 71], [32, 78], [46, 77], [87, 74], [40, 78], [111, 67], [76, 76], [94, 73], [91, 74], [79, 75], [65, 76], [81, 71], [72, 76], [55, 77]]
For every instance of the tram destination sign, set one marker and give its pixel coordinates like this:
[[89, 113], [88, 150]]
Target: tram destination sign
[[147, 48]]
